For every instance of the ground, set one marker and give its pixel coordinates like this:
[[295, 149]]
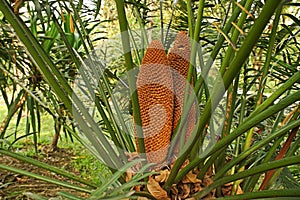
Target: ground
[[13, 186]]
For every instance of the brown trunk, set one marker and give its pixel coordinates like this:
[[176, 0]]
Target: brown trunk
[[56, 135]]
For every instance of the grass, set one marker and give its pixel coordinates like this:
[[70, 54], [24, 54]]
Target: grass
[[89, 167], [47, 128]]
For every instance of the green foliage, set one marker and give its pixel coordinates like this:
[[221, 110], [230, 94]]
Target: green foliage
[[90, 168], [244, 59]]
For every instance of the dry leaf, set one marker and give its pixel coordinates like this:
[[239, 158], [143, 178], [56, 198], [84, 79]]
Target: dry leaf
[[191, 178], [184, 190], [184, 164], [129, 174], [210, 171], [156, 190], [174, 189], [142, 198], [196, 188], [227, 189], [228, 184], [239, 190], [163, 176], [207, 180]]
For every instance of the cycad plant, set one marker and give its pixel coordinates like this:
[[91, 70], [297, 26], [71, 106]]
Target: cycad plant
[[215, 112]]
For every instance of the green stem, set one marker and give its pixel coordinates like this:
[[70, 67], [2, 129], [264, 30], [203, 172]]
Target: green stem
[[265, 73], [47, 179], [46, 167], [251, 39], [195, 40], [251, 121], [190, 18], [131, 79], [217, 47], [263, 79], [250, 172], [144, 38], [161, 21], [255, 147], [268, 56], [219, 87], [277, 194], [84, 36], [235, 35], [207, 164], [277, 93]]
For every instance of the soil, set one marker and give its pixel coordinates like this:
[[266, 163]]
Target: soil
[[13, 186]]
